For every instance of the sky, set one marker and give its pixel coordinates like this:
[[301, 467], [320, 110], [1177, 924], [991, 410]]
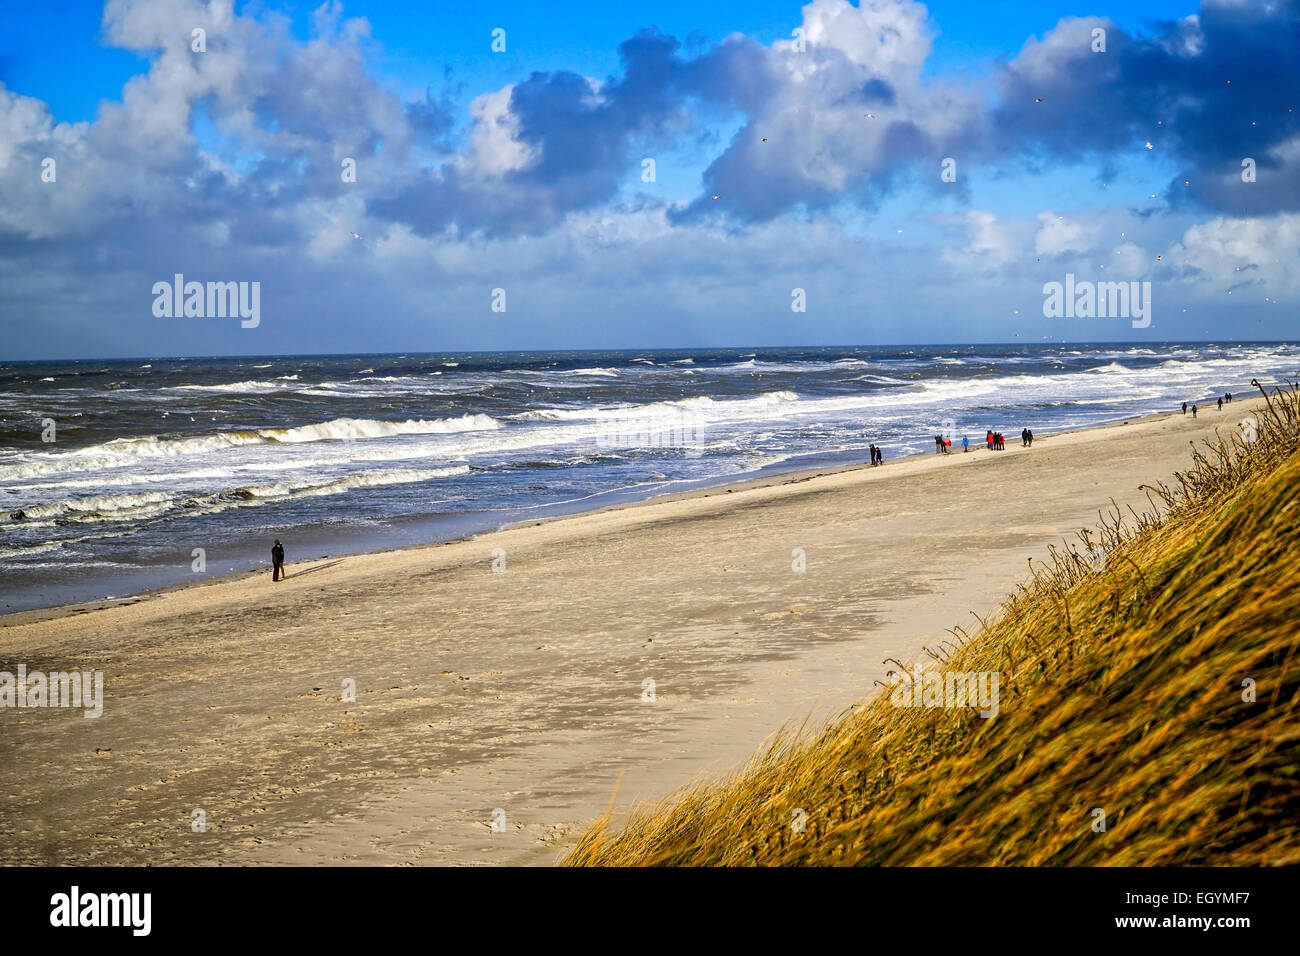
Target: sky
[[534, 175]]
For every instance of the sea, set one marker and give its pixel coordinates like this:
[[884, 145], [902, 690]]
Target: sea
[[117, 477]]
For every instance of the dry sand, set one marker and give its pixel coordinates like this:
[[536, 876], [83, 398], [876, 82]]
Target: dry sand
[[523, 689]]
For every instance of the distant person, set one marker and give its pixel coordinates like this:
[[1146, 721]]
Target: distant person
[[1220, 404], [1230, 396], [965, 444], [880, 456], [947, 444], [1024, 437], [1193, 411], [988, 439], [938, 444], [1029, 433], [1184, 408], [277, 561]]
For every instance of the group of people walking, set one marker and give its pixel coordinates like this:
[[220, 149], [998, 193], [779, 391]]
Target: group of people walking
[[1225, 397], [995, 441]]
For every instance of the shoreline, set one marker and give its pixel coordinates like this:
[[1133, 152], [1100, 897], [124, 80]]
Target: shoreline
[[703, 488], [750, 607]]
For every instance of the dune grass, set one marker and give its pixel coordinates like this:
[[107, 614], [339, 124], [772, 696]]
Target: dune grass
[[1125, 686]]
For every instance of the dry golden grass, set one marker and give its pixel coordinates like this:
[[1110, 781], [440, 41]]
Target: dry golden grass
[[1121, 688]]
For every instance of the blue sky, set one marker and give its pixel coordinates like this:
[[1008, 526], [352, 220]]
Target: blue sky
[[415, 47], [522, 171]]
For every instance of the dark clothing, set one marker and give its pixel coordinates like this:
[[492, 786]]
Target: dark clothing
[[277, 563]]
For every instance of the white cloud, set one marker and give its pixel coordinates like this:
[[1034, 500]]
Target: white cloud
[[1057, 235], [1225, 253]]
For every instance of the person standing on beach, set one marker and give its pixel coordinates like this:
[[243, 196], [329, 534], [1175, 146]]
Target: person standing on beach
[[965, 444], [277, 561], [1024, 438], [1184, 408], [1030, 434], [988, 439], [1193, 411]]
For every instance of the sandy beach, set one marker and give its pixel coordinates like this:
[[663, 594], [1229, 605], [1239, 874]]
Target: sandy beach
[[522, 688]]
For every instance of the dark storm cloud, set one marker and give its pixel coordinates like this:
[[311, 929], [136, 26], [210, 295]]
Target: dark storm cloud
[[580, 137], [1207, 92]]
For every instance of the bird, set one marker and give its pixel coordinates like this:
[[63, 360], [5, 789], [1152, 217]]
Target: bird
[[1158, 258], [1149, 146], [715, 197], [355, 236], [869, 115], [1038, 99], [765, 139]]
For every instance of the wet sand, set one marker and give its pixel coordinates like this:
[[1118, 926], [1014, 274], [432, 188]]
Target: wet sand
[[523, 689]]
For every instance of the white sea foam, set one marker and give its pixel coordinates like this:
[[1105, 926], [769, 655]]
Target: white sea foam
[[121, 452]]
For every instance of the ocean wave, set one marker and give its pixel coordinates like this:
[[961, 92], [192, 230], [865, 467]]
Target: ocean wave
[[122, 451], [145, 505], [700, 406], [248, 385], [335, 486]]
